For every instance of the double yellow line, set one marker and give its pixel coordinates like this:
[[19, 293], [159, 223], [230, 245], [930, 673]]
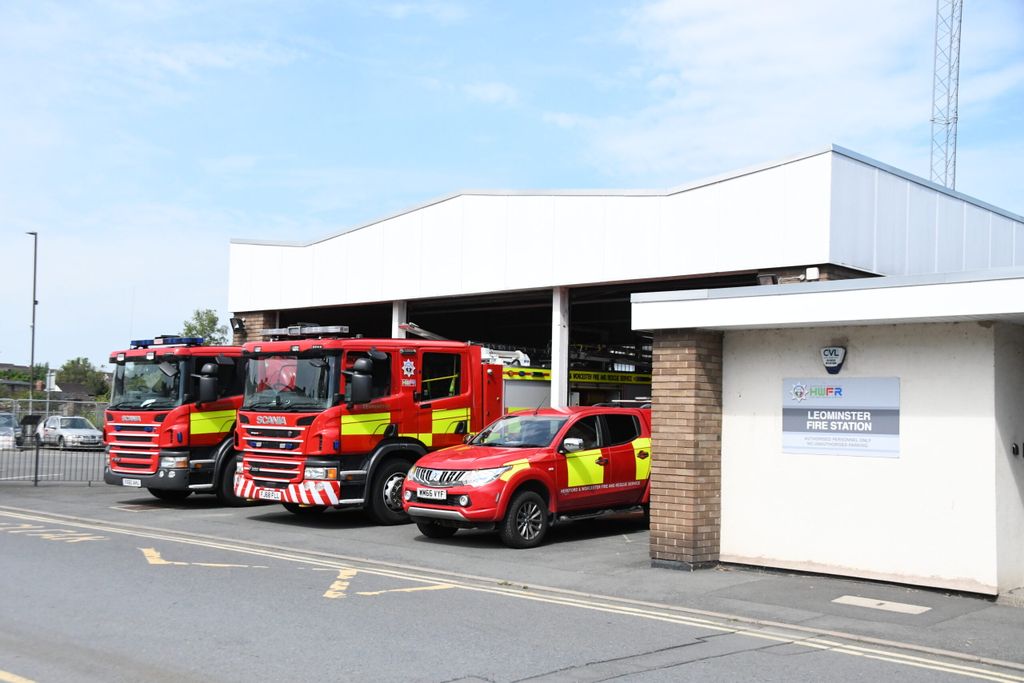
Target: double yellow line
[[841, 643]]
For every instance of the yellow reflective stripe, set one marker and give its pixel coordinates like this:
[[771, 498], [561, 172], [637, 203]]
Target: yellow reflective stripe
[[583, 468], [211, 422], [364, 424], [427, 439], [643, 465], [446, 421], [516, 465]]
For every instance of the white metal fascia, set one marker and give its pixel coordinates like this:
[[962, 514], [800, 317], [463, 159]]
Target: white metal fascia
[[999, 298]]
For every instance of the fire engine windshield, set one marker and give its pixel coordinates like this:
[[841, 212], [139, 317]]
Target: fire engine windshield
[[520, 431], [288, 382], [146, 385]]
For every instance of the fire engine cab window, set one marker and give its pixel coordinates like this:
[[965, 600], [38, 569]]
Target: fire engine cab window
[[441, 376], [584, 428], [381, 372], [620, 429]]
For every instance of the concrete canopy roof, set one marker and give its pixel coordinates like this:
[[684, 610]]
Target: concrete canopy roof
[[982, 296]]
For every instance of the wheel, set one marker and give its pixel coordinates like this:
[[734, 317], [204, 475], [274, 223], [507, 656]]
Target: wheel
[[435, 530], [226, 486], [60, 442], [304, 510], [385, 506], [170, 496], [526, 521]]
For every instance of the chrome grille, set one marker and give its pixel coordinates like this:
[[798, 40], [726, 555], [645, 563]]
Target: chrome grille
[[441, 478]]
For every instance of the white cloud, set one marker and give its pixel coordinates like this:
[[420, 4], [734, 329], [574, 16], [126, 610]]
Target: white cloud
[[443, 12], [727, 83], [492, 93]]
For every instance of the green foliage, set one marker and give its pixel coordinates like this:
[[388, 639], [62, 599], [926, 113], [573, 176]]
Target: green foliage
[[81, 371], [204, 323]]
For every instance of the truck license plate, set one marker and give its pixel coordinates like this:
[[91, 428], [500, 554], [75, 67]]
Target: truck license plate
[[131, 482], [269, 495], [432, 494]]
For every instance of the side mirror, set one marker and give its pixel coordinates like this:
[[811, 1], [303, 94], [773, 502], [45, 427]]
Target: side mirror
[[208, 388], [571, 445], [468, 438], [361, 388]]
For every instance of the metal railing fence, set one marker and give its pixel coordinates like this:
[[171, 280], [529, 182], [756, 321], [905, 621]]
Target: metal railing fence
[[26, 460]]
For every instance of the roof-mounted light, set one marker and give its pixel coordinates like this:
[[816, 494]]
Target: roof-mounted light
[[305, 331], [166, 340]]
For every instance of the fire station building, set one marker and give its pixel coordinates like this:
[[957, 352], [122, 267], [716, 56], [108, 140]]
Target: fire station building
[[834, 349]]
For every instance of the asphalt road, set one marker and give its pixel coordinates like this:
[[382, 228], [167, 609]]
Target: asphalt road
[[105, 584]]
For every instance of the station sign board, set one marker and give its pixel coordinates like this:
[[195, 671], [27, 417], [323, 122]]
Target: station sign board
[[852, 416]]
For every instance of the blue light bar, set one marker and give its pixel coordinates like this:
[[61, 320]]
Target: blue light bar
[[166, 341]]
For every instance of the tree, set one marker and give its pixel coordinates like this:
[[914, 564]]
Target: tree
[[81, 371], [204, 323]]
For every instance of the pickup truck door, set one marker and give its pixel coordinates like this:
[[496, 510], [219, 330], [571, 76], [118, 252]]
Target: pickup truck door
[[583, 475], [628, 455]]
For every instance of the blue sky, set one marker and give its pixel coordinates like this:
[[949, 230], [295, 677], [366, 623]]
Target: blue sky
[[137, 138]]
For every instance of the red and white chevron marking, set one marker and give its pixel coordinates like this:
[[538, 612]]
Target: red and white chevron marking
[[304, 492]]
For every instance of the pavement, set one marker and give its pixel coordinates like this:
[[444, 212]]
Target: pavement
[[603, 558]]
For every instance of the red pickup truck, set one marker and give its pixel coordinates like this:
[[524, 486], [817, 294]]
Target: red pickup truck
[[530, 469]]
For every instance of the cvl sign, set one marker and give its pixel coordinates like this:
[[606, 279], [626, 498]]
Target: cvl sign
[[832, 357]]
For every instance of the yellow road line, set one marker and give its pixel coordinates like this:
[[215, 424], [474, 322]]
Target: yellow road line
[[340, 585], [663, 613], [8, 677]]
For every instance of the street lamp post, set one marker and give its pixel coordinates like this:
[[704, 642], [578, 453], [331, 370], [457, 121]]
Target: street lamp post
[[32, 353]]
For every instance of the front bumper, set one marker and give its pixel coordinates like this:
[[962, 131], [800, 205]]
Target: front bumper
[[330, 493], [165, 479], [482, 511]]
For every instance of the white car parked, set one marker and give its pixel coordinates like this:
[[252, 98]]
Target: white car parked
[[69, 432]]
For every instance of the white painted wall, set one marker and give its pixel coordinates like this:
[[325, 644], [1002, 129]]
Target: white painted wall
[[1009, 498], [927, 517]]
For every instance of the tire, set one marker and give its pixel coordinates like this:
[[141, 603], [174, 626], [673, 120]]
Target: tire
[[60, 442], [170, 496], [526, 521], [435, 530], [226, 485], [385, 504], [304, 510]]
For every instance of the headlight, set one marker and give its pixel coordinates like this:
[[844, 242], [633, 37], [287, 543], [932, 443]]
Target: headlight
[[483, 477], [174, 462], [329, 473]]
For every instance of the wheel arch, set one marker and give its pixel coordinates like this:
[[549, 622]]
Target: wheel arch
[[410, 451], [529, 483]]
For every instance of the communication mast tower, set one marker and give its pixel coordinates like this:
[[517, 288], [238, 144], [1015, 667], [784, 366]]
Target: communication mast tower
[[945, 91]]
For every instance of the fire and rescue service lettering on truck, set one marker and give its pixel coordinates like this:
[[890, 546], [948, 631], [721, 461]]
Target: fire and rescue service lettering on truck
[[856, 416]]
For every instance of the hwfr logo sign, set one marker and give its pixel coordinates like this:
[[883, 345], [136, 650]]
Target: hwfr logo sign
[[858, 416]]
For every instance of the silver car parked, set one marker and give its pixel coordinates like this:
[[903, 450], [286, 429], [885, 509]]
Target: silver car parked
[[8, 430], [69, 432]]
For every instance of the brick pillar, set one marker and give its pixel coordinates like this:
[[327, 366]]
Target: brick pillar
[[254, 322], [686, 467]]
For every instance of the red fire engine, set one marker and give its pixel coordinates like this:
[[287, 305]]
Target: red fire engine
[[170, 424], [337, 421]]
